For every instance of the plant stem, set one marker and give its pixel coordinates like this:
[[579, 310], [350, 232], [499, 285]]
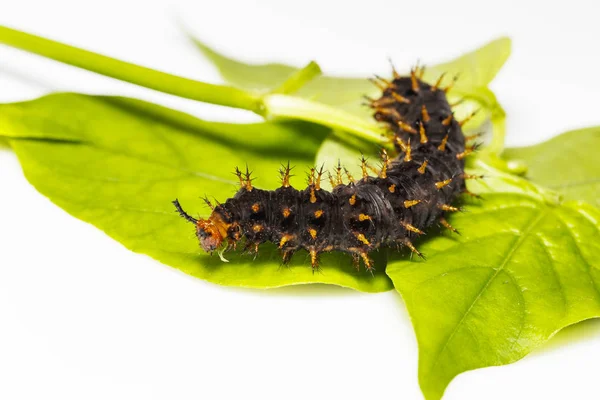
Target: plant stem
[[161, 81], [282, 106], [270, 105], [299, 78]]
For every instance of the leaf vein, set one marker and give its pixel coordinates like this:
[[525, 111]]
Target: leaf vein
[[588, 266], [516, 244]]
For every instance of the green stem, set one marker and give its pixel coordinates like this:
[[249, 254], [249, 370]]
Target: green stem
[[282, 106], [299, 78], [142, 76], [269, 105]]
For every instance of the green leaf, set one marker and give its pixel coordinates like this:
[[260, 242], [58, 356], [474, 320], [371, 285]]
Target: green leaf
[[475, 69], [567, 163], [521, 270], [345, 93], [118, 163]]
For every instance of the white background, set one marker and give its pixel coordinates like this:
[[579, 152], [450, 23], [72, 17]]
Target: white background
[[81, 317]]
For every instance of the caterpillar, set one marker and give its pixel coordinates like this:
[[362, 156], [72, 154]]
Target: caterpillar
[[409, 193]]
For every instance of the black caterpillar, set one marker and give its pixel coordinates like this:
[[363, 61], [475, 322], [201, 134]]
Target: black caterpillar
[[409, 194]]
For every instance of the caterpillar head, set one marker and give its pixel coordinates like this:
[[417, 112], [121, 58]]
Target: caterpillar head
[[210, 232]]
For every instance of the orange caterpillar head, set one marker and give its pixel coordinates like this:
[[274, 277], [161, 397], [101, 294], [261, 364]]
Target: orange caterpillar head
[[211, 232]]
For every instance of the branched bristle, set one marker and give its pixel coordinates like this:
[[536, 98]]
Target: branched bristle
[[284, 172], [474, 136], [425, 114], [208, 203], [451, 85], [183, 214], [438, 82], [414, 80], [319, 178], [385, 163], [407, 154], [350, 177], [395, 73], [422, 133], [331, 180], [464, 121], [406, 127], [364, 166], [338, 173]]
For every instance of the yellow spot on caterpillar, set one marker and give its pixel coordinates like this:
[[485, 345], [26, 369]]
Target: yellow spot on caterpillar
[[257, 228], [318, 213], [422, 167], [286, 212], [361, 238], [284, 239], [313, 197], [392, 188], [352, 200], [410, 203], [313, 233], [441, 184], [256, 207], [364, 217]]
